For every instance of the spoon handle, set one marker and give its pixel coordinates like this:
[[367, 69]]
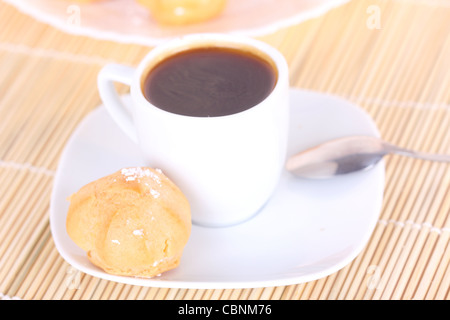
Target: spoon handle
[[419, 155]]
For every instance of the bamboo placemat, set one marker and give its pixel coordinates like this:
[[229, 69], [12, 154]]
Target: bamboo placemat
[[390, 57]]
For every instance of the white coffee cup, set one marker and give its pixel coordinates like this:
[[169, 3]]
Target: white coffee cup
[[227, 166]]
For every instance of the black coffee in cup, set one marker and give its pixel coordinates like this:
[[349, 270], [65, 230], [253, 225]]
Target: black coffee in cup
[[209, 81]]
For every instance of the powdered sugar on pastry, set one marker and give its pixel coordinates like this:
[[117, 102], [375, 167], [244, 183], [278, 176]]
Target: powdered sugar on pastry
[[138, 232], [132, 174], [154, 193], [136, 173]]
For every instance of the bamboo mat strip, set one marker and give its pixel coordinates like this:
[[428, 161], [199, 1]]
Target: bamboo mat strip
[[398, 74]]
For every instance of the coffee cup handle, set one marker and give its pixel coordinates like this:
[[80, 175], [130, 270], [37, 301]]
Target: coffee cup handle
[[119, 113]]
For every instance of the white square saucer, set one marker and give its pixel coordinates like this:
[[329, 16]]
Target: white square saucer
[[308, 229]]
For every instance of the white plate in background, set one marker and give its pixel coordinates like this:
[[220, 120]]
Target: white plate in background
[[128, 22]]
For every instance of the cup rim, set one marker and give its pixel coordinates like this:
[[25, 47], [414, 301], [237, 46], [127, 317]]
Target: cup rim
[[181, 43]]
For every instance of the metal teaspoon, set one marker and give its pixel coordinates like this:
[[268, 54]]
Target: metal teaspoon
[[346, 155]]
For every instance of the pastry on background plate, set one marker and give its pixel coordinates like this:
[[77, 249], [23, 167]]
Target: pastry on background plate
[[134, 222], [182, 12]]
